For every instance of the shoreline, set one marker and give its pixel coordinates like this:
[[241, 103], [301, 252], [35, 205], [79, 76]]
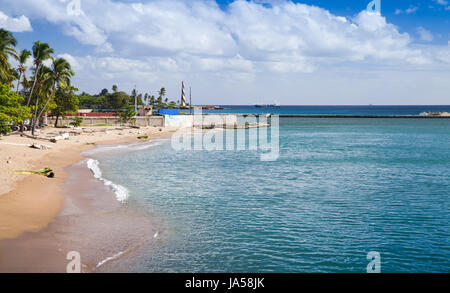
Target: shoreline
[[29, 221]]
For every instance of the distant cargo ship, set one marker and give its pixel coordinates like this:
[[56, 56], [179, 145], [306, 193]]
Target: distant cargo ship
[[268, 106]]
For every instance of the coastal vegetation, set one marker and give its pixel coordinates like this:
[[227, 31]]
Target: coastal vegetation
[[11, 110], [126, 114], [27, 95], [48, 89], [77, 121], [66, 101], [117, 100]]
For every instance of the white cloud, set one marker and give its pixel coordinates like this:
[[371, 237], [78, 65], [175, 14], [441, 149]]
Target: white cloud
[[173, 40], [72, 60], [425, 35], [79, 26], [20, 24], [442, 2], [284, 33], [409, 10]]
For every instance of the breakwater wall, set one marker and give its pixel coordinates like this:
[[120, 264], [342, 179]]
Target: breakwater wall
[[364, 116], [182, 121]]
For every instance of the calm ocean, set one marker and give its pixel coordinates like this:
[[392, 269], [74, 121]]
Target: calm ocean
[[334, 110], [340, 189]]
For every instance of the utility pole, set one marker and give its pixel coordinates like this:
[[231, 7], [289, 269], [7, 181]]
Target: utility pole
[[190, 100], [135, 103]]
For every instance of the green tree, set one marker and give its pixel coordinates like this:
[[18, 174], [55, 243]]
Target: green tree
[[23, 57], [103, 93], [59, 76], [162, 93], [77, 121], [118, 100], [92, 102], [43, 86], [41, 52], [7, 44], [139, 100], [11, 109], [66, 102], [126, 114]]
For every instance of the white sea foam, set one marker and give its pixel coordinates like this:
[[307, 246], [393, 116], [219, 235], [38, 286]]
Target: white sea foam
[[116, 256], [124, 147], [93, 165], [120, 191]]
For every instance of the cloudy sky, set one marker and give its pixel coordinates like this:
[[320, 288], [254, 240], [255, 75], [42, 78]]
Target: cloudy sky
[[308, 52]]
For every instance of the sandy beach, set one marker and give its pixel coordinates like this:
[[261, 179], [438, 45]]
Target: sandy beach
[[29, 204]]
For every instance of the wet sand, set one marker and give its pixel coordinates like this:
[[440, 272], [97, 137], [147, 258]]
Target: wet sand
[[81, 214]]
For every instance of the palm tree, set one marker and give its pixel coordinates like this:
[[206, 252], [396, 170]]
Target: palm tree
[[59, 76], [41, 52], [162, 93], [23, 57], [43, 86], [7, 44]]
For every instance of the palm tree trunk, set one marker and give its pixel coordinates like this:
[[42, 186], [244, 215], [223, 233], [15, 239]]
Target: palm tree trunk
[[18, 82], [34, 84], [32, 121], [57, 120], [42, 111]]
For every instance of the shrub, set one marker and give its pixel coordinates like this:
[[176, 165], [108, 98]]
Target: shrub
[[77, 121], [126, 114], [11, 110]]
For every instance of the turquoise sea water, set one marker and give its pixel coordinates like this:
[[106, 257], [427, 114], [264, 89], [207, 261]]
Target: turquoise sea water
[[334, 110], [340, 189]]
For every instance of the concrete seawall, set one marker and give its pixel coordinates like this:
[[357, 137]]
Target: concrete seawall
[[156, 121], [217, 119]]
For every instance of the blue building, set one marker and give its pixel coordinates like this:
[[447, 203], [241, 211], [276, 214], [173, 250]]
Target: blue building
[[168, 111]]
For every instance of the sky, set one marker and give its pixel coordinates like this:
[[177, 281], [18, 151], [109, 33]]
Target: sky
[[236, 52]]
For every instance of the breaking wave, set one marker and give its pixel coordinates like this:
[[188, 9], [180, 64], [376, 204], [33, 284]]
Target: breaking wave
[[121, 192]]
